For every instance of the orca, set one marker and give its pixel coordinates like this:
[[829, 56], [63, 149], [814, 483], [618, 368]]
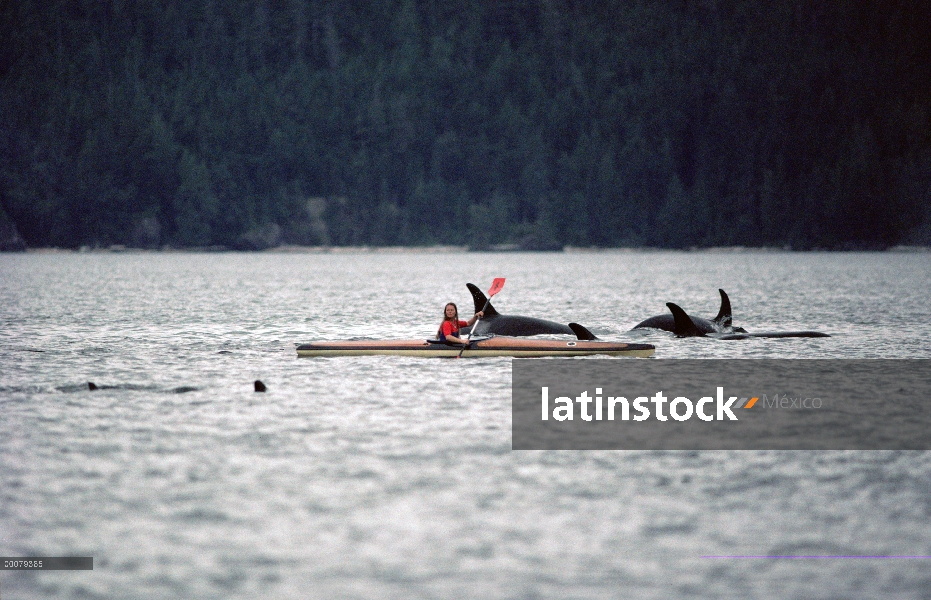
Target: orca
[[183, 389], [495, 323], [684, 325], [687, 326], [91, 386], [722, 322]]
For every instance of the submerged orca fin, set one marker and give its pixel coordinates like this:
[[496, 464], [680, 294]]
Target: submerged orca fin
[[685, 327], [724, 315], [773, 334], [790, 334], [581, 332], [478, 296]]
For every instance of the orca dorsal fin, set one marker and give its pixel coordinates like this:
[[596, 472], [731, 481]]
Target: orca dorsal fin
[[479, 298], [724, 315], [581, 332], [685, 327]]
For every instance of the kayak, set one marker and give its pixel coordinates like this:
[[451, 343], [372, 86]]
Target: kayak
[[491, 346]]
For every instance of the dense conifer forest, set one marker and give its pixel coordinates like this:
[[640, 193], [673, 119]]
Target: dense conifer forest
[[542, 123]]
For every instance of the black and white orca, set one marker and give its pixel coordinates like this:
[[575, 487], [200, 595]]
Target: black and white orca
[[721, 327], [495, 323]]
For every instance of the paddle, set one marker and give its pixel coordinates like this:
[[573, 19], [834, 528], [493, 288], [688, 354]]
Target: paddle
[[496, 286]]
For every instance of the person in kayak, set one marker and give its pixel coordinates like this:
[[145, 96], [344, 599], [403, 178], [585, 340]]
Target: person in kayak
[[449, 328]]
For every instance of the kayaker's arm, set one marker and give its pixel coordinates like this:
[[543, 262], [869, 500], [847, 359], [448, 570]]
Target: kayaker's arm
[[474, 318]]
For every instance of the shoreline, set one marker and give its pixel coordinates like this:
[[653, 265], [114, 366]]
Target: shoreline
[[450, 249]]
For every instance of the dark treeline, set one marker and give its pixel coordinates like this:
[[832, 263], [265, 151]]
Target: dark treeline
[[540, 122]]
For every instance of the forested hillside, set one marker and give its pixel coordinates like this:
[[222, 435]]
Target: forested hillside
[[540, 122]]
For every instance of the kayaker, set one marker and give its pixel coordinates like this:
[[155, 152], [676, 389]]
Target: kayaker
[[449, 328]]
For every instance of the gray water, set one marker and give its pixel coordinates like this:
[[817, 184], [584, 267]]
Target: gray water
[[394, 477]]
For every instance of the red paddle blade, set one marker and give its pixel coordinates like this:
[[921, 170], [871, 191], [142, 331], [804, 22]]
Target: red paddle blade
[[496, 286]]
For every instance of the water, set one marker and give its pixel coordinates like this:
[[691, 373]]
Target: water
[[393, 477]]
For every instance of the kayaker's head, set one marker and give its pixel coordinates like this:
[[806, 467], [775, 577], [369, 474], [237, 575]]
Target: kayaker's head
[[450, 312]]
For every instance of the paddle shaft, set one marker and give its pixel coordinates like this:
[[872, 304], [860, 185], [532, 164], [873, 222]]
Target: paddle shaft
[[474, 325], [496, 287], [477, 319]]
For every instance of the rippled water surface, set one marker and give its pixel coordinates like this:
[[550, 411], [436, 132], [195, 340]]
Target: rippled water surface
[[393, 477]]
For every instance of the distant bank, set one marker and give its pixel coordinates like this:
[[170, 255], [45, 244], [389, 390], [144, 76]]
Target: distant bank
[[442, 249]]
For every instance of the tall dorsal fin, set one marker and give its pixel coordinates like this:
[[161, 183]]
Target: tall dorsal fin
[[581, 332], [478, 296], [685, 327], [724, 315]]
